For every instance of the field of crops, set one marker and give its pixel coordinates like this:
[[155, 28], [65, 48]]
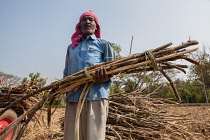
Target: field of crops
[[198, 121]]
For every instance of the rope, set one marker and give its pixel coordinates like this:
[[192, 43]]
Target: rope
[[80, 104], [153, 60], [88, 74]]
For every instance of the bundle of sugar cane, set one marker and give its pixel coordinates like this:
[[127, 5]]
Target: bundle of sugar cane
[[155, 59]]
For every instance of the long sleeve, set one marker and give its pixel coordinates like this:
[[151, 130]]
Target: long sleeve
[[109, 53], [65, 71]]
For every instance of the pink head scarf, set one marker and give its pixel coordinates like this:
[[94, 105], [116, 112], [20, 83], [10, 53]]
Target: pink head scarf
[[78, 34]]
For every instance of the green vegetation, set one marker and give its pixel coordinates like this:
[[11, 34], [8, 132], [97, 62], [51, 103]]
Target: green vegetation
[[34, 79]]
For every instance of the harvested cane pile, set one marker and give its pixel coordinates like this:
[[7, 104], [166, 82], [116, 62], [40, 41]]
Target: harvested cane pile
[[10, 94], [156, 59], [134, 116]]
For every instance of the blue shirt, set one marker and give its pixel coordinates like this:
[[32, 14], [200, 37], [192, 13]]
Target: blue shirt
[[90, 51]]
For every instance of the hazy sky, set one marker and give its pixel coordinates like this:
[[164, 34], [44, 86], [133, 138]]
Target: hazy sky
[[34, 34]]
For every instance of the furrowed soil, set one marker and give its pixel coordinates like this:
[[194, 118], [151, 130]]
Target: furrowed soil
[[197, 120]]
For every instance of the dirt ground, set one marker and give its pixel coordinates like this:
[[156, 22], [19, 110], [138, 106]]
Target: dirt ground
[[198, 121], [38, 129]]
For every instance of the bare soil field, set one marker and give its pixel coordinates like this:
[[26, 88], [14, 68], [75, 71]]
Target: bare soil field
[[38, 128], [197, 120]]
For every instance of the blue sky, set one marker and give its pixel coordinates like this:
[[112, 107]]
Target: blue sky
[[34, 34]]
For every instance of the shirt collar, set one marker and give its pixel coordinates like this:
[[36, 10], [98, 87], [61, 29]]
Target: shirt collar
[[93, 37]]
